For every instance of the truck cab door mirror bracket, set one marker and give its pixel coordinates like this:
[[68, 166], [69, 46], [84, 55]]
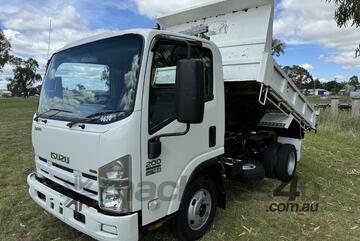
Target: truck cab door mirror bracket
[[154, 144]]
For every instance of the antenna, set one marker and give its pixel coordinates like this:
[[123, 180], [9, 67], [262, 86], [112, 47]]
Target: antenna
[[48, 53]]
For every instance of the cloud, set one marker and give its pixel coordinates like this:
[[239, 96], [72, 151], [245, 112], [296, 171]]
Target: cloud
[[297, 22], [6, 73], [322, 80], [156, 8], [121, 5], [26, 24], [309, 21], [29, 18], [27, 29], [351, 67], [338, 78], [308, 67]]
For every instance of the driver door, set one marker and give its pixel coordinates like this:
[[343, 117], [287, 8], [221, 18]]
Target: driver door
[[160, 175]]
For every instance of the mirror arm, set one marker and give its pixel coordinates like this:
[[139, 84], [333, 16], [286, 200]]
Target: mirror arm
[[154, 144], [157, 138], [188, 49]]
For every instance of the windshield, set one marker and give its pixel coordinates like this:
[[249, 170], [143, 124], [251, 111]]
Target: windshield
[[97, 77]]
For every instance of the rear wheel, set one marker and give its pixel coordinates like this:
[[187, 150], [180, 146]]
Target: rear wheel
[[286, 162], [197, 210], [270, 159]]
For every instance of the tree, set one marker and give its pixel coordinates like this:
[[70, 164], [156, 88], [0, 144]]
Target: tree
[[299, 75], [4, 50], [25, 77], [354, 81], [35, 90], [278, 47], [313, 84], [334, 86], [347, 11]]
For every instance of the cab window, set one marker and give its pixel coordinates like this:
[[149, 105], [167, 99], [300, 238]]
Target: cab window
[[162, 106]]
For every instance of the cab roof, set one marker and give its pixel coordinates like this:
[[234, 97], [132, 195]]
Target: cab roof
[[146, 33]]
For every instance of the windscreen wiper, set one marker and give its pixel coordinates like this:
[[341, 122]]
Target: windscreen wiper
[[92, 118], [49, 110]]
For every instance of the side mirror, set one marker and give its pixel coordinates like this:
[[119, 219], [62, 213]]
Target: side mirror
[[190, 81]]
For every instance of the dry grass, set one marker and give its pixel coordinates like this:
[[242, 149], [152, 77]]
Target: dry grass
[[330, 159], [341, 123]]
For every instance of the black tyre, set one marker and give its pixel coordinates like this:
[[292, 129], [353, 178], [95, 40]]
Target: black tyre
[[197, 210], [286, 162], [270, 159]]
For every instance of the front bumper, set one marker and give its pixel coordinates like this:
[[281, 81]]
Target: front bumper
[[92, 223]]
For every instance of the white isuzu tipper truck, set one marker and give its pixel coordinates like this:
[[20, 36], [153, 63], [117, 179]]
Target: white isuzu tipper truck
[[140, 127]]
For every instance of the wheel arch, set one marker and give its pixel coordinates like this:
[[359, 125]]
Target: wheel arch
[[214, 170], [211, 167]]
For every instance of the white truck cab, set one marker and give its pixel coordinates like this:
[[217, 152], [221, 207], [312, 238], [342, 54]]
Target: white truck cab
[[139, 127]]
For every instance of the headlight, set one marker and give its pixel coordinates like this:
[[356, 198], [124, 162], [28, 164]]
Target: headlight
[[115, 185]]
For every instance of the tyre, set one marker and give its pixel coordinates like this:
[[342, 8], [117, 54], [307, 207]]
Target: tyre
[[270, 159], [197, 210], [286, 162]]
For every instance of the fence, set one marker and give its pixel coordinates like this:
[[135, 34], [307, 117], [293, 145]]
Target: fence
[[335, 105]]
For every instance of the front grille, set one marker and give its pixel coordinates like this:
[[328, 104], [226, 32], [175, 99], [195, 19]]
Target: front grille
[[64, 168], [89, 176], [42, 159], [88, 190], [71, 194], [71, 179], [75, 196], [71, 184]]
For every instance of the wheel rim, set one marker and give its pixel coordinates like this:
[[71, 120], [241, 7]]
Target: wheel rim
[[291, 164], [199, 209]]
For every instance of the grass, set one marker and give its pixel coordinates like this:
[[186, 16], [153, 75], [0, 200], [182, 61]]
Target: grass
[[341, 123], [330, 159]]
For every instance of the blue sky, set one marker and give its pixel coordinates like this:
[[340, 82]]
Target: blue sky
[[310, 54], [307, 26]]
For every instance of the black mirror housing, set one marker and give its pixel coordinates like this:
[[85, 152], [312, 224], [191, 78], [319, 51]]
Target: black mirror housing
[[190, 91], [154, 148]]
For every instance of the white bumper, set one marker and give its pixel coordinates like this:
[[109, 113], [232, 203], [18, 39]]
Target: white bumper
[[95, 224]]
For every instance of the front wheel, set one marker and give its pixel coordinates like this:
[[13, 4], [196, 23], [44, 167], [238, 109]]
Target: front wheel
[[197, 210]]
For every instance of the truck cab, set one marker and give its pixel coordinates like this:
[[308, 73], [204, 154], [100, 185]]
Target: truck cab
[[103, 102], [139, 127]]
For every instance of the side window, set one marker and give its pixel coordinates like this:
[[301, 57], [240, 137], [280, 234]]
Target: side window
[[162, 106]]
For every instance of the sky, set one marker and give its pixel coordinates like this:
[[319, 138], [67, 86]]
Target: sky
[[308, 28]]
